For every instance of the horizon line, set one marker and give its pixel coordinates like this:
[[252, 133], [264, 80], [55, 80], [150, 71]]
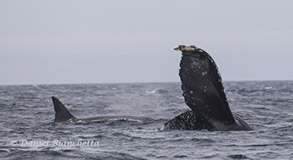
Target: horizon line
[[150, 82]]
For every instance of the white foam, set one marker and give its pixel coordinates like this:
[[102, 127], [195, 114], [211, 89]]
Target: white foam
[[268, 88], [152, 91]]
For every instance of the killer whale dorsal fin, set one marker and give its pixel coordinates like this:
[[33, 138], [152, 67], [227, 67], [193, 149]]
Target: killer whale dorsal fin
[[61, 112]]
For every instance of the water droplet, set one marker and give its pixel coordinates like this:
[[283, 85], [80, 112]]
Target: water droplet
[[191, 92]]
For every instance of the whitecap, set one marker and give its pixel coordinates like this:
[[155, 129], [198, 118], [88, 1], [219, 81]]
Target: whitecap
[[152, 91], [268, 88]]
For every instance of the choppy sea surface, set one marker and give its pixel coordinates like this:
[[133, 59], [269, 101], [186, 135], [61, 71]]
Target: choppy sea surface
[[27, 131]]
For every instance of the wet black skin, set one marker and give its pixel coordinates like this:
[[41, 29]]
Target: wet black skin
[[204, 94]]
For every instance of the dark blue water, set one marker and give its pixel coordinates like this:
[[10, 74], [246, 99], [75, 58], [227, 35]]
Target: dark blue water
[[27, 113]]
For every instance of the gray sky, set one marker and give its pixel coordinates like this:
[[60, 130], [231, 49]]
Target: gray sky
[[112, 41]]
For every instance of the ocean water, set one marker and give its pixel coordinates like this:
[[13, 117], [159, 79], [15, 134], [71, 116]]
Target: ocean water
[[27, 131]]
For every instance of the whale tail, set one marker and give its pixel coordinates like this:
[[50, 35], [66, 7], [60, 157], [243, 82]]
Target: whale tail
[[202, 86], [61, 113], [203, 92]]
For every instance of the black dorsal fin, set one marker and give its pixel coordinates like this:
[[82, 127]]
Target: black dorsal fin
[[202, 86], [61, 113]]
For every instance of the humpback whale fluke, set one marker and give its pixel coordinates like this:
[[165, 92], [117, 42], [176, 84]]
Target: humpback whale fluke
[[62, 115], [204, 93]]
